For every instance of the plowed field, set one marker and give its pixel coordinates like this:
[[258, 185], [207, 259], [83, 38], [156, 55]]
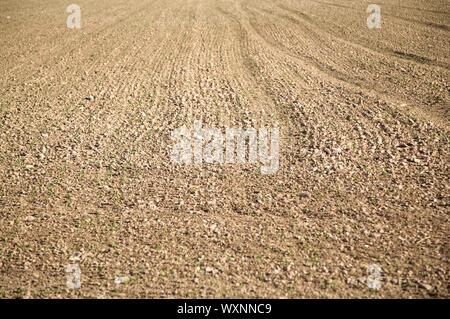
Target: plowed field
[[86, 178]]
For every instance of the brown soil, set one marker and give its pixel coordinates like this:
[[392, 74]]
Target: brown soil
[[364, 178]]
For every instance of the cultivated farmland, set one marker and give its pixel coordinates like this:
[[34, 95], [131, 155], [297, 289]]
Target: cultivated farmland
[[87, 180]]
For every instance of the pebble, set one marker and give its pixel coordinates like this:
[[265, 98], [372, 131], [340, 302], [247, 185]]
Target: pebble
[[304, 194], [30, 218], [121, 280], [427, 286]]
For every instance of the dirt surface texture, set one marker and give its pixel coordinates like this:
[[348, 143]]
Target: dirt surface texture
[[358, 207]]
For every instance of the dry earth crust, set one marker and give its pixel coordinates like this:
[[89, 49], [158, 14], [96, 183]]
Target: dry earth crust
[[364, 121]]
